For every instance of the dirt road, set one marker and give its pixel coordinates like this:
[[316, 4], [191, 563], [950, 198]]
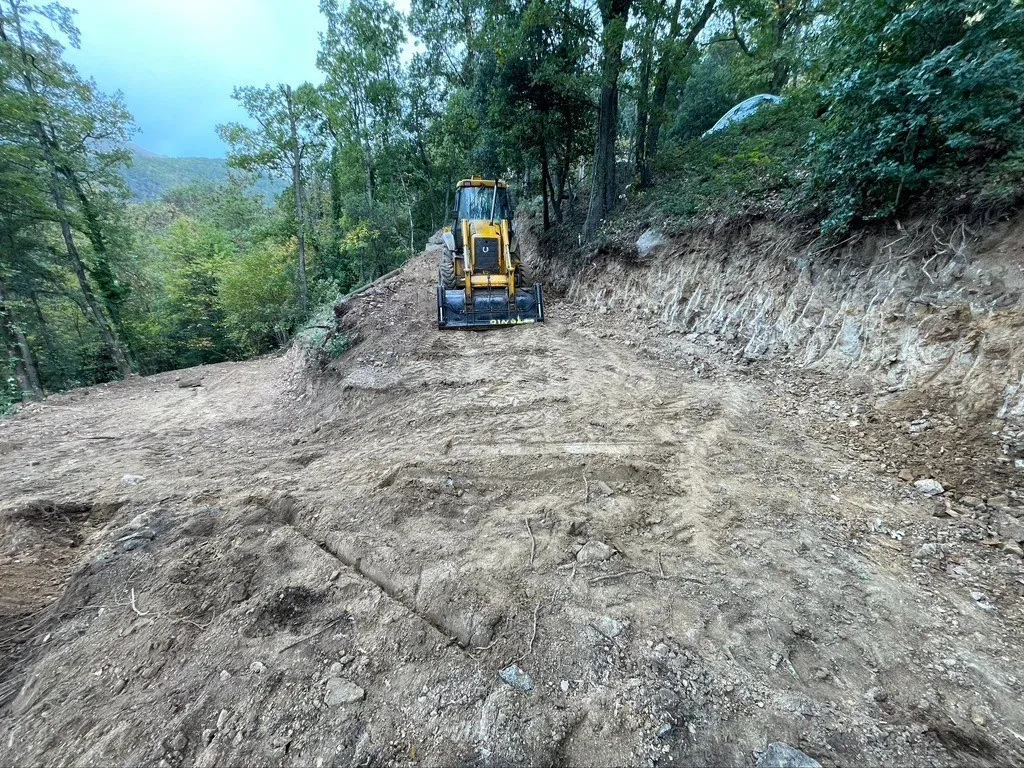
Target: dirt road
[[583, 543]]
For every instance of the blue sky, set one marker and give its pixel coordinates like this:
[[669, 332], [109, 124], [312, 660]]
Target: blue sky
[[176, 61]]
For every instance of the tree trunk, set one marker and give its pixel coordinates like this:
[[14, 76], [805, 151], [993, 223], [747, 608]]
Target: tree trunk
[[303, 283], [614, 15], [544, 183], [565, 170], [106, 330], [555, 176], [19, 350], [411, 201], [101, 270], [14, 363], [643, 106], [787, 17], [368, 169], [296, 163], [337, 210], [780, 76], [556, 202], [563, 176], [422, 149], [661, 82], [107, 333]]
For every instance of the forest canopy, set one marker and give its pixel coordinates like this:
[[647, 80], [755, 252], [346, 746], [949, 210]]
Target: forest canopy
[[887, 105]]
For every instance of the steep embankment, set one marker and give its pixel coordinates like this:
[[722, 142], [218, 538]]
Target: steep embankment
[[293, 566], [925, 324]]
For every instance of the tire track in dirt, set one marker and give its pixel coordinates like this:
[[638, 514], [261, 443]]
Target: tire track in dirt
[[446, 483]]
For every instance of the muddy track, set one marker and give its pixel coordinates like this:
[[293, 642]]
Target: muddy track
[[664, 541]]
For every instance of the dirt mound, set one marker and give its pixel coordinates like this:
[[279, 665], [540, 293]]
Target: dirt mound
[[588, 542]]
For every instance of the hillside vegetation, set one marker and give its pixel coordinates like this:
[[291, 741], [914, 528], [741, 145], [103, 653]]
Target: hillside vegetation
[[595, 113], [149, 177]]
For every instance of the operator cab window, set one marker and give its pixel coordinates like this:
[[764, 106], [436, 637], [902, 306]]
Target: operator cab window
[[475, 203]]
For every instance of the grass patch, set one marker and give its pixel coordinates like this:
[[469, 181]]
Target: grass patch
[[756, 167]]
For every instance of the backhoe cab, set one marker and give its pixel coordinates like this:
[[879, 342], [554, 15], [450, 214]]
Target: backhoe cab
[[481, 281]]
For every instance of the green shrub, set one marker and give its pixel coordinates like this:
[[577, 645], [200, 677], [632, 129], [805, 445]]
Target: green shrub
[[257, 296], [10, 391], [916, 94], [338, 345]]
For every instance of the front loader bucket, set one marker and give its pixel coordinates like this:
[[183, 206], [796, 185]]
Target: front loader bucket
[[489, 308]]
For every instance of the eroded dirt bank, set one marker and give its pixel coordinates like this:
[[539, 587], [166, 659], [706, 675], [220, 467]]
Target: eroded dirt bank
[[923, 323], [685, 552]]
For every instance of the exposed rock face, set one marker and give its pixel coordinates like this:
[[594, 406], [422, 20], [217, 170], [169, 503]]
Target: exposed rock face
[[920, 303]]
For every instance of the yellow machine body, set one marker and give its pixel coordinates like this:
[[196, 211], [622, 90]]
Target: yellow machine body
[[481, 280]]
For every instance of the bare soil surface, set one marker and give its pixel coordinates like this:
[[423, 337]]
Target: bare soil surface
[[585, 543]]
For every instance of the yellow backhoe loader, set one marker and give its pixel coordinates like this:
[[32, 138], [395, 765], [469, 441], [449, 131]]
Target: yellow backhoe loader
[[481, 281]]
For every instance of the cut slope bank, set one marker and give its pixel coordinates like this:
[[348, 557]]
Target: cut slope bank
[[925, 324], [332, 567]]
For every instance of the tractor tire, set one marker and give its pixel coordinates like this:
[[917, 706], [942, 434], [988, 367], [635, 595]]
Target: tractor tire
[[446, 275], [523, 277]]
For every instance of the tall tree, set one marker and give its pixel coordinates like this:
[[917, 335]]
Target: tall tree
[[284, 145], [771, 34], [603, 193], [541, 99], [359, 54], [17, 347], [362, 101], [54, 92], [453, 33], [673, 49]]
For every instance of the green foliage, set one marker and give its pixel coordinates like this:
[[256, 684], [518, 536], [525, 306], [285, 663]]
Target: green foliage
[[257, 297], [151, 177], [899, 102], [212, 272], [540, 100], [713, 87], [916, 94], [1002, 184], [61, 148], [229, 207], [338, 345], [200, 253], [758, 166], [886, 103], [272, 148], [10, 391]]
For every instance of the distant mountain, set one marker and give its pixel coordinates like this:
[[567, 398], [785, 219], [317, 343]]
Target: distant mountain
[[152, 175], [138, 151]]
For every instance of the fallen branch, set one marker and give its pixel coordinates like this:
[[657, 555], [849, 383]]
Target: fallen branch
[[586, 487], [597, 629], [621, 573], [486, 647], [533, 635], [195, 624], [634, 571], [319, 632], [134, 607]]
